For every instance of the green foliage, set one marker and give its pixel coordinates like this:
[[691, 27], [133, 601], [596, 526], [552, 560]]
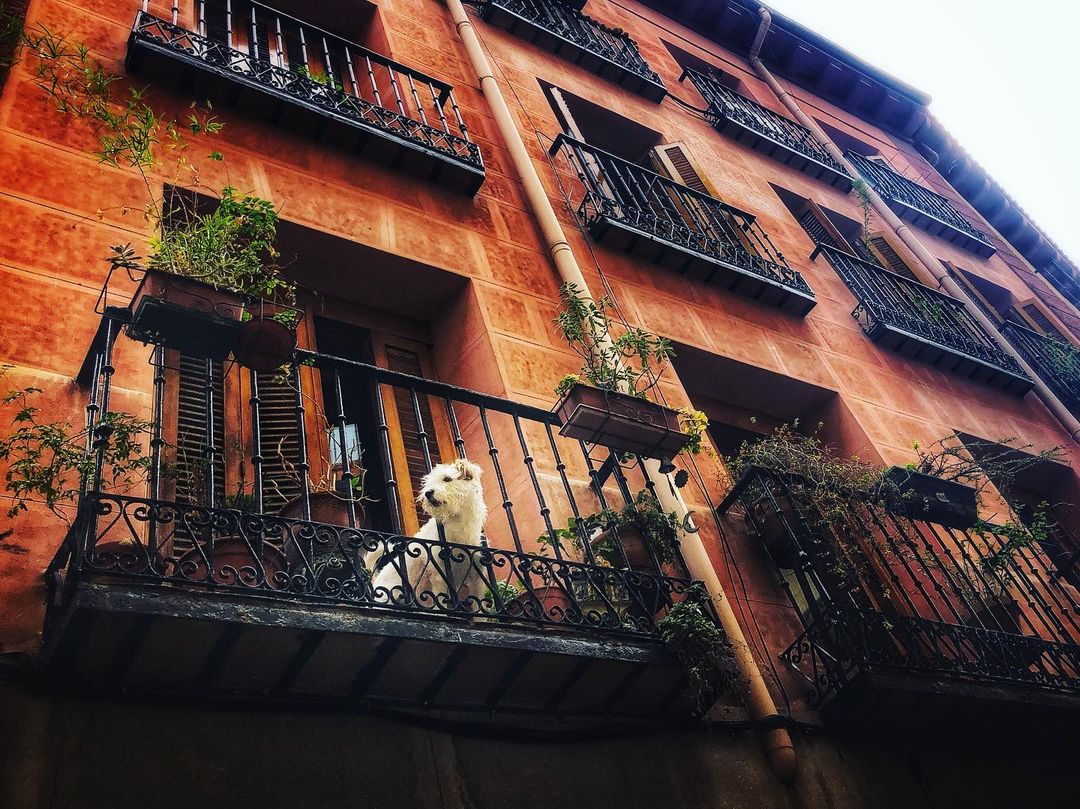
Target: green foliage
[[325, 79], [1017, 535], [862, 191], [700, 647], [694, 424], [230, 247], [645, 514], [12, 17], [48, 460], [506, 590], [626, 358]]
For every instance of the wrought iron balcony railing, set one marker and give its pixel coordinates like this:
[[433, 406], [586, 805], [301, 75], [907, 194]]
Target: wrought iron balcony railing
[[923, 323], [630, 208], [921, 206], [314, 81], [768, 131], [246, 498], [560, 27], [1056, 363], [889, 603]]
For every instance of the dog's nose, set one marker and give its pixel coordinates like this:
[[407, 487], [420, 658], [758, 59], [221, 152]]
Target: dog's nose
[[430, 495]]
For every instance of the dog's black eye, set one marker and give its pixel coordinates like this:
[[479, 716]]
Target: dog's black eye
[[447, 479]]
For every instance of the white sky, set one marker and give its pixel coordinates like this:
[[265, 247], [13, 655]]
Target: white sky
[[1003, 83]]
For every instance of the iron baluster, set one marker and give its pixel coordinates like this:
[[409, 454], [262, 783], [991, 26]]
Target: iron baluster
[[256, 442], [346, 461], [392, 496], [507, 504]]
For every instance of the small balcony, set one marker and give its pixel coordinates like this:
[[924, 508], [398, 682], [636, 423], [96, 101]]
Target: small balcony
[[922, 323], [295, 75], [922, 207], [911, 623], [561, 28], [768, 132], [1056, 363], [630, 209], [247, 565]]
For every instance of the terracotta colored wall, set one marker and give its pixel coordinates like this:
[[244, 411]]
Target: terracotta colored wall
[[54, 238]]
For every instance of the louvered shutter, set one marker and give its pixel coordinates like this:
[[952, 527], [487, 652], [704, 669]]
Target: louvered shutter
[[192, 436], [817, 231], [674, 161], [888, 256], [408, 362], [1044, 324], [279, 441], [217, 26]]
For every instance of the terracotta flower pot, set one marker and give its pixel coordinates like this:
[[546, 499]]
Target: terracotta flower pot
[[621, 422], [550, 600], [234, 564], [326, 507], [186, 315], [929, 498], [264, 344]]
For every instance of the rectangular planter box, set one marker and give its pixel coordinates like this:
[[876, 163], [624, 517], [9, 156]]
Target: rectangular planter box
[[620, 422], [929, 498], [186, 315]]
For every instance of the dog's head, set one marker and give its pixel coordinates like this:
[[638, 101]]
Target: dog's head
[[451, 490]]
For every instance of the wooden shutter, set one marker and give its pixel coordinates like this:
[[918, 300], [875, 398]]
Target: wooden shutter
[[217, 26], [980, 300], [888, 256], [408, 362], [821, 229], [279, 441], [674, 160], [1035, 317], [191, 432]]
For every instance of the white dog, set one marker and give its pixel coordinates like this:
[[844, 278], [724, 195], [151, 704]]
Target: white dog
[[451, 495]]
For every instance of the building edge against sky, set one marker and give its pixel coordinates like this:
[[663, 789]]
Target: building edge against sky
[[814, 243]]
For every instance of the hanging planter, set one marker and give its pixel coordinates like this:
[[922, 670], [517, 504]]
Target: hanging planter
[[186, 315], [609, 402], [933, 499], [621, 422], [268, 335]]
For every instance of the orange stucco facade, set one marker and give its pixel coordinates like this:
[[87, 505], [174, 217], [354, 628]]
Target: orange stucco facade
[[61, 210]]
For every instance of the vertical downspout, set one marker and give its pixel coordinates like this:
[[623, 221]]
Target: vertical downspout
[[775, 741], [933, 271]]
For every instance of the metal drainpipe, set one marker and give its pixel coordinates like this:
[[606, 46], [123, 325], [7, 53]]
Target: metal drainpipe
[[775, 741], [933, 272]]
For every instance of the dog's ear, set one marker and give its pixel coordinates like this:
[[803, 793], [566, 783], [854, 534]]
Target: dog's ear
[[468, 469]]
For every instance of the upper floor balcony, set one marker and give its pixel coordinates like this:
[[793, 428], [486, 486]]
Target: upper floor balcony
[[925, 324], [562, 28], [631, 209], [907, 621], [768, 132], [1057, 363], [921, 206], [272, 550], [278, 68]]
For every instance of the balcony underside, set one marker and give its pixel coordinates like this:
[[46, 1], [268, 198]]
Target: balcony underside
[[237, 90], [941, 229], [901, 700], [116, 636], [619, 236], [943, 357], [530, 31], [781, 152]]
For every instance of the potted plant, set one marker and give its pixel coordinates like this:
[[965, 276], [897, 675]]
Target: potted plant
[[210, 286], [609, 402], [934, 499], [603, 598], [700, 646]]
